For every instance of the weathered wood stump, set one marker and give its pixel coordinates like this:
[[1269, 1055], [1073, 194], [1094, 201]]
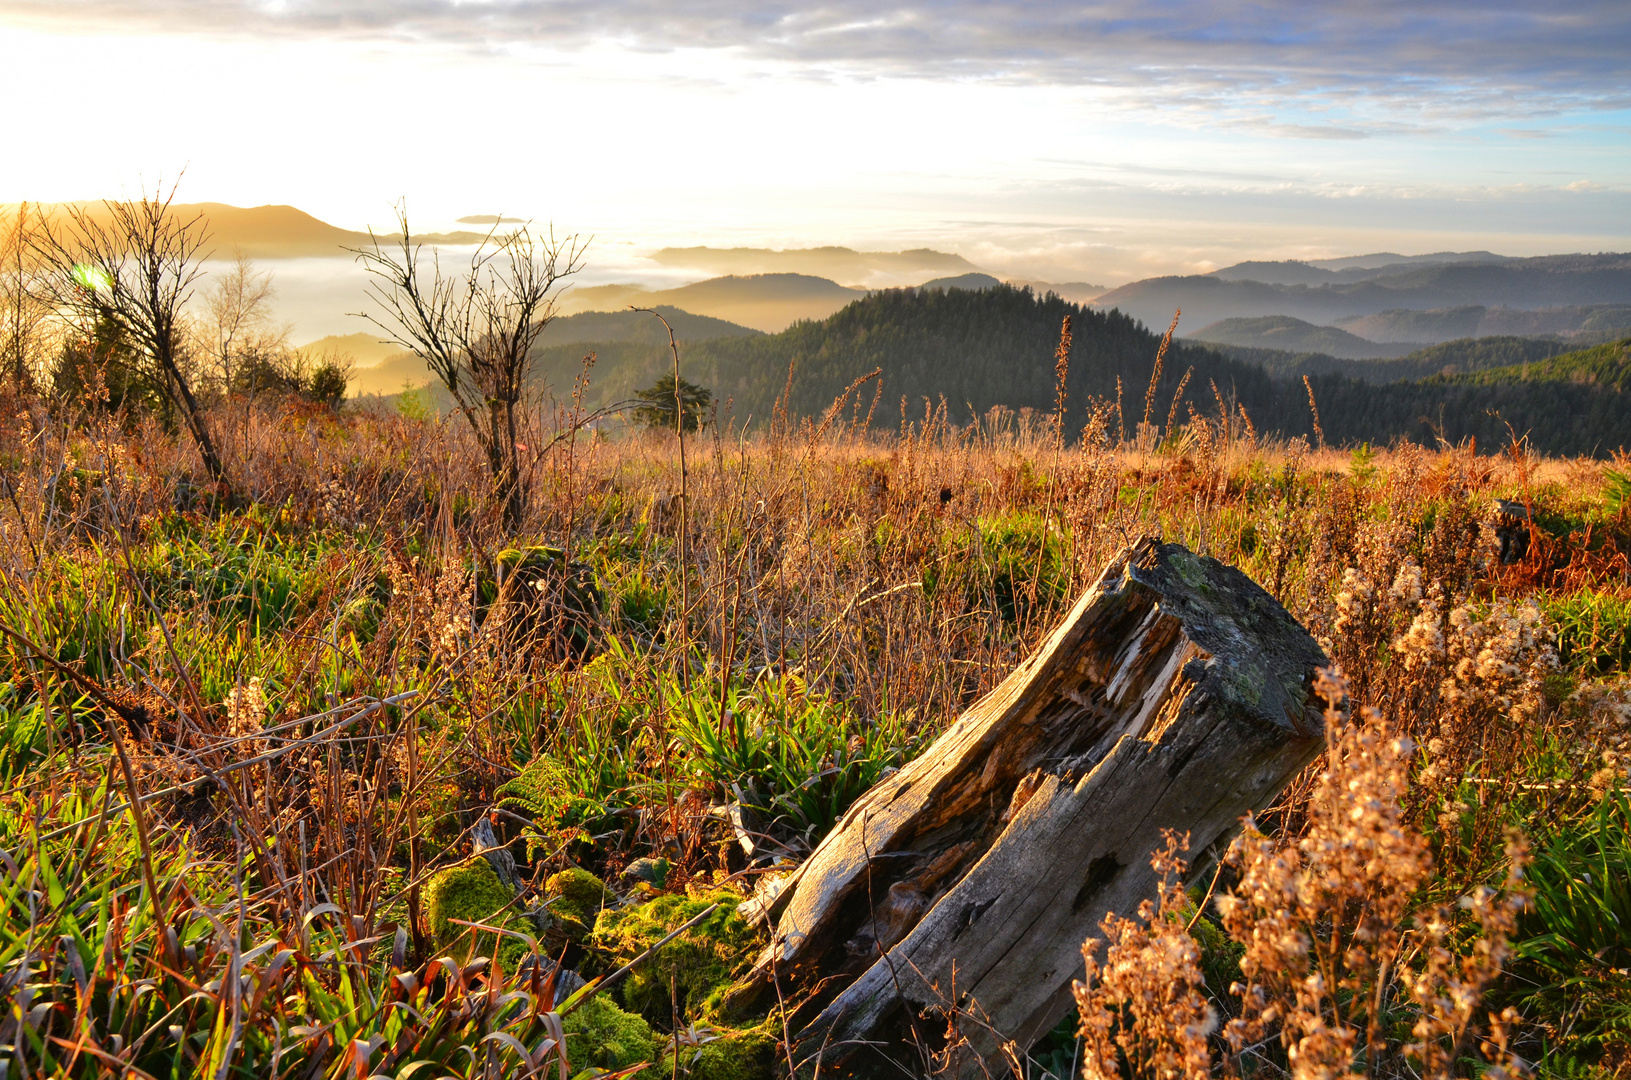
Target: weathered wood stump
[[1176, 694]]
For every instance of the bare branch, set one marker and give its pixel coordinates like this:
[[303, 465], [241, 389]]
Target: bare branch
[[477, 330]]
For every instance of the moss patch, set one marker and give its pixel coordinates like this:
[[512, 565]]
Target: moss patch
[[735, 1055], [601, 1035], [473, 892], [577, 898], [700, 963]]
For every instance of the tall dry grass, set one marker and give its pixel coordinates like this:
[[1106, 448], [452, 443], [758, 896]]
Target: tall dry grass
[[329, 704]]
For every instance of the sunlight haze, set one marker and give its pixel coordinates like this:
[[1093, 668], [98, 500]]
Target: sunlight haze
[[1102, 144]]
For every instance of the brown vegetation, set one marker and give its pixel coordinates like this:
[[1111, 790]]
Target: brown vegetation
[[324, 688]]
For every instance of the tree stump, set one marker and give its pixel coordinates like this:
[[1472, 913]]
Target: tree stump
[[1177, 694]]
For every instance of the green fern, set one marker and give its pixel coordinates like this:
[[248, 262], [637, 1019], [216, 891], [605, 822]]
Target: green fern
[[1617, 492]]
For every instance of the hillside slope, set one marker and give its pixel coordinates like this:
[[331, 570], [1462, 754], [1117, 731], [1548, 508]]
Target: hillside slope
[[1576, 403], [767, 302], [1294, 335], [1446, 358], [1447, 324], [1605, 367]]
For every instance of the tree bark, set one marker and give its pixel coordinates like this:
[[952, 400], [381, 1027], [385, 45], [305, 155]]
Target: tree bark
[[1175, 695], [196, 423]]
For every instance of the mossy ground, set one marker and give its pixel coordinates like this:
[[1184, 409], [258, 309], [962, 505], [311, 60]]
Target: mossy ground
[[601, 1035], [747, 1054], [699, 964]]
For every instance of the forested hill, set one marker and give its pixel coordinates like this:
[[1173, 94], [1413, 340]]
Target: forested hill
[[974, 349], [977, 349], [1577, 403], [1450, 358], [1606, 367]]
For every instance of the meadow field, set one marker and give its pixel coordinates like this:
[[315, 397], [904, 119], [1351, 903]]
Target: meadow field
[[327, 694]]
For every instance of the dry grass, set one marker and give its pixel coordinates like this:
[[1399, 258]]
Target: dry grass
[[844, 595]]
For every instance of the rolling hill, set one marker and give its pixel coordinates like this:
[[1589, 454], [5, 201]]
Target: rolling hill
[[1282, 332], [1576, 403], [768, 302], [962, 281], [365, 349], [1601, 321], [1446, 358], [565, 342], [1605, 367]]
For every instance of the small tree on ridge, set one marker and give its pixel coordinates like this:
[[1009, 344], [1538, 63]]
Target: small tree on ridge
[[475, 329]]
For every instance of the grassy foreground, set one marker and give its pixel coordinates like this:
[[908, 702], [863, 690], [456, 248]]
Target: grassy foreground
[[327, 691]]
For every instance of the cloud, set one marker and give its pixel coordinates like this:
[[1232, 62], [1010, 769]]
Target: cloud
[[1473, 59], [1316, 131]]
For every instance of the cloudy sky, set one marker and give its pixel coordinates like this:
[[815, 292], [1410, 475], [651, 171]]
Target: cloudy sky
[[1101, 142]]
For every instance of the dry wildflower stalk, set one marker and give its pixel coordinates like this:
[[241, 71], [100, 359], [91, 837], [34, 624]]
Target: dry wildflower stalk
[[1147, 1002], [1331, 948], [1319, 432], [246, 715], [1155, 373], [1447, 989], [1605, 733], [1321, 921], [1324, 923]]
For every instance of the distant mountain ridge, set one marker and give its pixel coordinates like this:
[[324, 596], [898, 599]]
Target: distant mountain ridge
[[840, 264], [1388, 258], [266, 232], [1525, 284], [1352, 268]]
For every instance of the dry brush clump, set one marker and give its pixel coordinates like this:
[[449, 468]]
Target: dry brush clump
[[1343, 970]]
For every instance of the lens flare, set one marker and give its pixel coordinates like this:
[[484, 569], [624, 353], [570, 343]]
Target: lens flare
[[91, 278]]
